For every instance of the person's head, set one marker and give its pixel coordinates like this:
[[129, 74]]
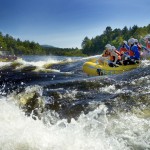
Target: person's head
[[124, 42], [113, 48], [136, 41], [144, 38], [147, 38], [131, 41], [108, 47]]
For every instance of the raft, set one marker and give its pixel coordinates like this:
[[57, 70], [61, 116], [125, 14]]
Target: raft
[[93, 68], [5, 56]]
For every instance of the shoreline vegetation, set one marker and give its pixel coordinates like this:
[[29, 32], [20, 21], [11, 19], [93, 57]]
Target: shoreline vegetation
[[89, 46]]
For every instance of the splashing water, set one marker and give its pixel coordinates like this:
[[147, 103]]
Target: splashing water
[[92, 131], [88, 103]]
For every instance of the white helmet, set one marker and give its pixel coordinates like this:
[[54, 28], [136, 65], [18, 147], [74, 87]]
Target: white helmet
[[147, 36], [108, 46], [136, 40], [131, 41], [113, 48], [125, 42]]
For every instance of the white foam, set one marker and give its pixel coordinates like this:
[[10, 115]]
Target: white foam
[[94, 131], [145, 63], [2, 64]]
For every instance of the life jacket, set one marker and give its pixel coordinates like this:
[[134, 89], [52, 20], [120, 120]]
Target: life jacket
[[131, 53], [112, 58], [123, 50], [134, 52], [148, 44]]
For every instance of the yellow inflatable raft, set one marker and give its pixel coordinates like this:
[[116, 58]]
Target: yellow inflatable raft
[[93, 68]]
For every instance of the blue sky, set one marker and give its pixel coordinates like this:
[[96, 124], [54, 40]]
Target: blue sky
[[65, 23]]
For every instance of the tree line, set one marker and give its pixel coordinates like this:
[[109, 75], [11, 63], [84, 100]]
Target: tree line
[[89, 46], [18, 47], [114, 37]]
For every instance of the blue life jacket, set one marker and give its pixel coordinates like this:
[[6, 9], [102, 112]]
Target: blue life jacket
[[136, 52]]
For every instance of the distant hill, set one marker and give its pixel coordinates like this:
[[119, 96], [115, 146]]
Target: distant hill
[[48, 46]]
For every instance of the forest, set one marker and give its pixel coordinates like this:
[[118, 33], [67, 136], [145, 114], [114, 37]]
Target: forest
[[89, 46], [18, 47]]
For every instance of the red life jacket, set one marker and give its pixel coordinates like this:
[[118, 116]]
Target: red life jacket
[[123, 50], [131, 53], [148, 44]]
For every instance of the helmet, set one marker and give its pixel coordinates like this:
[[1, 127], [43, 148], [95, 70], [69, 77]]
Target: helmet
[[113, 47], [108, 46], [145, 38], [125, 42], [148, 36], [131, 41], [136, 40]]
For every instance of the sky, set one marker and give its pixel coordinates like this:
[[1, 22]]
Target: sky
[[65, 23]]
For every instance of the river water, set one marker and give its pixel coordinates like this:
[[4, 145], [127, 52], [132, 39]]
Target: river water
[[48, 103]]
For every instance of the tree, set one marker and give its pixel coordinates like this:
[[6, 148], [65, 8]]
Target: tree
[[83, 44], [108, 33], [125, 32], [108, 30]]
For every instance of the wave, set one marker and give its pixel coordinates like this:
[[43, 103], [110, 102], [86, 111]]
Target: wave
[[66, 109], [94, 130]]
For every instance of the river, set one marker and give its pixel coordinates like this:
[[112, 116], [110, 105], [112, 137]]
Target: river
[[48, 103]]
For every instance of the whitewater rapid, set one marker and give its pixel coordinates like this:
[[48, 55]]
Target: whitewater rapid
[[74, 111], [92, 131]]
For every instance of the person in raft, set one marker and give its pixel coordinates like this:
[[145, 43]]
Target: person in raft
[[134, 54], [146, 49], [136, 42], [110, 56], [122, 49], [147, 42], [124, 52]]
